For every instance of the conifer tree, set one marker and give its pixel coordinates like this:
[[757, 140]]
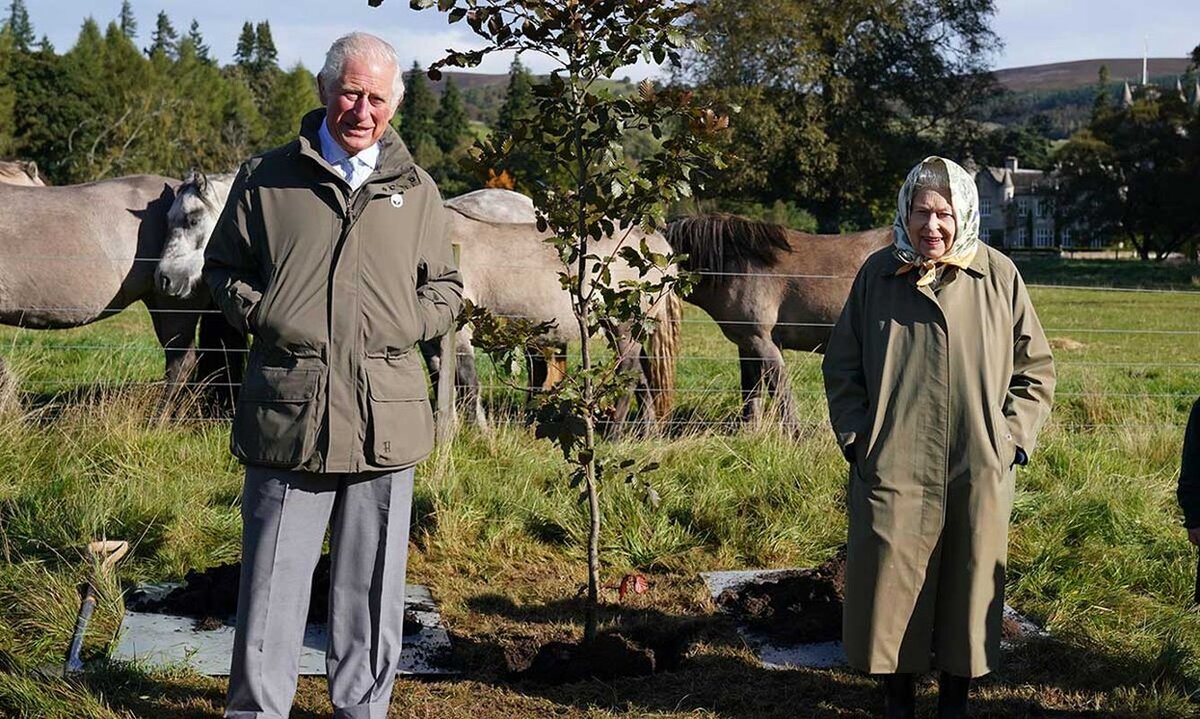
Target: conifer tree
[[418, 110], [164, 42], [198, 45], [126, 20], [266, 58], [450, 123], [243, 56], [19, 27]]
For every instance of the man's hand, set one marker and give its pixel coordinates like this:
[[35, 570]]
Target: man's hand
[[1194, 535]]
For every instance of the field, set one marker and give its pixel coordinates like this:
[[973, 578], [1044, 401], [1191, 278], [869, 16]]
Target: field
[[1097, 554]]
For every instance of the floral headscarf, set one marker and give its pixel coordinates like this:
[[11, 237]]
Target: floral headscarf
[[964, 198]]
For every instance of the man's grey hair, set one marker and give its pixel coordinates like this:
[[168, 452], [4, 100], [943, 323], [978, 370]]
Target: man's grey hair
[[363, 46], [933, 175]]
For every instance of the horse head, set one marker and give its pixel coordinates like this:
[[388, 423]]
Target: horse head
[[20, 172], [190, 222]]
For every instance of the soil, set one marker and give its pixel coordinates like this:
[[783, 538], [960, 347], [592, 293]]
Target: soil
[[804, 606], [211, 598], [634, 651]]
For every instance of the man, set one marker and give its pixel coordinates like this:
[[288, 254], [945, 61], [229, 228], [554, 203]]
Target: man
[[331, 251], [939, 378]]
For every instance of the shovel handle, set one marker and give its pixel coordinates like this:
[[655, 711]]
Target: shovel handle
[[111, 550]]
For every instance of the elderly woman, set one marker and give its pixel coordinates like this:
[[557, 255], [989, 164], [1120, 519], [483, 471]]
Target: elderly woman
[[938, 377]]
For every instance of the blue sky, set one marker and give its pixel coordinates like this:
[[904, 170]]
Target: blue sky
[[1034, 31]]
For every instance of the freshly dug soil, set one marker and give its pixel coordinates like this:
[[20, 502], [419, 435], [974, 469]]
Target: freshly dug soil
[[211, 597], [796, 607], [632, 651], [805, 606]]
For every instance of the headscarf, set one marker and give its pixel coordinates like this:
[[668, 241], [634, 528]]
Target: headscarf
[[964, 198]]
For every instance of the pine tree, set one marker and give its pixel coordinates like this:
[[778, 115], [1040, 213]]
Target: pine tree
[[450, 123], [19, 27], [8, 97], [164, 41], [243, 56], [126, 21], [518, 98], [293, 94], [44, 45], [418, 111], [197, 41], [265, 56]]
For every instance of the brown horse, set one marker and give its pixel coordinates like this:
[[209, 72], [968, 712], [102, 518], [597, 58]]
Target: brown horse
[[770, 288]]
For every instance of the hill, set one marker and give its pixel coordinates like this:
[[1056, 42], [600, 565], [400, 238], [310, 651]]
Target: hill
[[1080, 73]]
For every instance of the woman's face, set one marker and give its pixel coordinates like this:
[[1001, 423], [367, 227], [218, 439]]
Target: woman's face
[[931, 224]]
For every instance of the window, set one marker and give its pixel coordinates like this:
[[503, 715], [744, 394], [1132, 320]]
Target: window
[[1023, 207], [1044, 237], [1043, 207], [1022, 237], [1066, 236], [985, 207]]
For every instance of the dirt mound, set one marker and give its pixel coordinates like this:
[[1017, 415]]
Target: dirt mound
[[804, 606], [635, 650], [211, 597], [796, 607]]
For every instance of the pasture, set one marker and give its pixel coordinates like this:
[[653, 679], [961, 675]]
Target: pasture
[[1097, 555]]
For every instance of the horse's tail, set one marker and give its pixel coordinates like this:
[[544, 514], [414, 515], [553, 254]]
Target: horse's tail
[[663, 350]]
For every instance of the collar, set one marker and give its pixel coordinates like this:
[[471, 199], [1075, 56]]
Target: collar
[[335, 153], [980, 266]]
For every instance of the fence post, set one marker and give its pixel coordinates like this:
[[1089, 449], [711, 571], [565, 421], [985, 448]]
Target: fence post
[[446, 386]]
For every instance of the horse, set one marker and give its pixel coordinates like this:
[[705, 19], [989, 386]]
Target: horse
[[770, 288], [20, 172], [497, 236], [79, 253], [190, 221]]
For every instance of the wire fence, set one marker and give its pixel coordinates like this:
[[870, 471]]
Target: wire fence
[[708, 395]]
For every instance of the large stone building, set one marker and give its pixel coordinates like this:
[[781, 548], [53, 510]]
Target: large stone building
[[1016, 207]]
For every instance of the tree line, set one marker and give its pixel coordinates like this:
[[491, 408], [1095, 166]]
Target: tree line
[[830, 102], [107, 107]]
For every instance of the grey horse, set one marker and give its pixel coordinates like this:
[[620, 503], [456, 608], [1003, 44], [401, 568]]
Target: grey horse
[[79, 253]]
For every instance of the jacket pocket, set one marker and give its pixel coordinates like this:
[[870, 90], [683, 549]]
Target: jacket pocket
[[1006, 446], [276, 419], [400, 432]]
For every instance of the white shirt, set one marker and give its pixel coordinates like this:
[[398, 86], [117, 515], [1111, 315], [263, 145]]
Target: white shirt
[[355, 168]]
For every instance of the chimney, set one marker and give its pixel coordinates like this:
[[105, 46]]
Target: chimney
[[1010, 164]]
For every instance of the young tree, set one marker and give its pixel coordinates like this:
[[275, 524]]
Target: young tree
[[450, 122], [126, 21], [594, 191], [19, 27]]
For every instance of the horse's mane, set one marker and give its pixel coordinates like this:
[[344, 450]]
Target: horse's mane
[[720, 242]]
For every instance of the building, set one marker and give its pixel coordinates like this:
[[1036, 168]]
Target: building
[[1016, 207]]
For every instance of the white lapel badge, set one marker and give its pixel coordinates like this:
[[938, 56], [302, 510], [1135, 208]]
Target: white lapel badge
[[398, 200]]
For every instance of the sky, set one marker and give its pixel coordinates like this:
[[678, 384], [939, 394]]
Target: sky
[[1034, 31]]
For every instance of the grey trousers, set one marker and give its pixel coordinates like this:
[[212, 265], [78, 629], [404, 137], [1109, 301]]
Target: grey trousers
[[284, 516]]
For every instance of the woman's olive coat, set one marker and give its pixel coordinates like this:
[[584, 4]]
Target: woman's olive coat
[[931, 393]]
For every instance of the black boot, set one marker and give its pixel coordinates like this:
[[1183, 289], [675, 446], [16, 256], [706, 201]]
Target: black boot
[[952, 696], [899, 696]]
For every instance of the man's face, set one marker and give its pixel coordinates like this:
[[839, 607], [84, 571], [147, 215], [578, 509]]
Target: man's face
[[358, 105], [931, 224]]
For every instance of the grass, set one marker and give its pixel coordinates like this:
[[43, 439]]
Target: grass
[[1096, 553]]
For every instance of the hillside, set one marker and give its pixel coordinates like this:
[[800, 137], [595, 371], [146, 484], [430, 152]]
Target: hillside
[[1079, 73]]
